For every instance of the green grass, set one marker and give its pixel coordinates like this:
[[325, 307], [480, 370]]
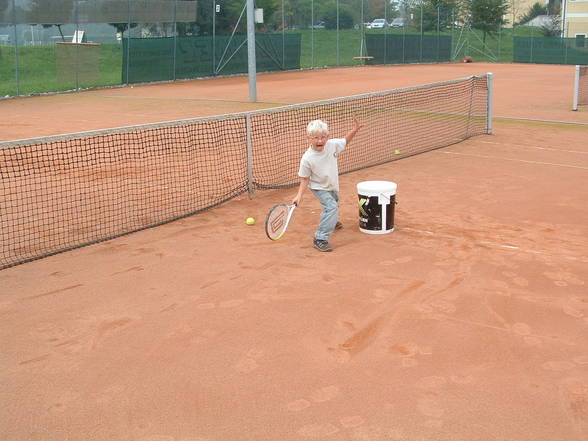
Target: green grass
[[39, 71], [319, 48], [497, 47]]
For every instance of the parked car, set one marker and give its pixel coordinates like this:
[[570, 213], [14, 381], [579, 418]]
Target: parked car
[[397, 23], [319, 25], [378, 23]]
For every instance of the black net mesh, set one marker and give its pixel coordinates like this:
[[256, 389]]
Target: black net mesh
[[58, 193]]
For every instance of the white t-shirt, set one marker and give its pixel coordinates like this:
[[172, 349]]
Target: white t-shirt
[[321, 167]]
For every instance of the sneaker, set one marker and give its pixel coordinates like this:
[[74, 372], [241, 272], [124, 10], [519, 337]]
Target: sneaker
[[321, 245], [338, 226]]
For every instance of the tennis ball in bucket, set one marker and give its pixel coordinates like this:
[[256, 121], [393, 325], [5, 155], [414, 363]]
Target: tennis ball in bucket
[[250, 221]]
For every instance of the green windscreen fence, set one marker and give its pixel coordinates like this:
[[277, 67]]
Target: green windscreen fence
[[169, 58], [550, 50], [403, 48]]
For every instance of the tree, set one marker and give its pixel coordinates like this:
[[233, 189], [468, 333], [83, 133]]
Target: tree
[[488, 15], [122, 27], [437, 14], [4, 17], [203, 23], [5, 12], [227, 19], [296, 13], [515, 7], [553, 26], [46, 26], [345, 19], [43, 13], [535, 10], [554, 7]]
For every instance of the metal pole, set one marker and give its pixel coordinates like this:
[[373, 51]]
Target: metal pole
[[404, 38], [564, 18], [175, 38], [499, 42], [386, 33], [251, 51], [78, 44], [452, 56], [17, 68], [128, 44], [532, 41], [438, 29], [312, 33], [576, 88], [338, 32], [490, 80], [213, 37], [283, 37], [421, 51], [361, 34]]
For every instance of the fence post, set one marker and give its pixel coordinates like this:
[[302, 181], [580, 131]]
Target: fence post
[[576, 88], [421, 51], [213, 42], [438, 30], [490, 100], [532, 42], [312, 34], [337, 32], [385, 34], [175, 55], [249, 136], [16, 54], [77, 46], [284, 40], [128, 64], [251, 60]]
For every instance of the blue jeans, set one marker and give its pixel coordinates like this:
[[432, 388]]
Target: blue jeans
[[330, 214]]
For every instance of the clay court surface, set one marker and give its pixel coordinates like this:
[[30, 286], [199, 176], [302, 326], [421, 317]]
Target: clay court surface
[[469, 322]]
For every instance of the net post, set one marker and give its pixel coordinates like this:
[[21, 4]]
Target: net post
[[249, 136], [576, 88], [490, 101]]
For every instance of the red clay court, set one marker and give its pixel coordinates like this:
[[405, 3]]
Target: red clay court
[[467, 323]]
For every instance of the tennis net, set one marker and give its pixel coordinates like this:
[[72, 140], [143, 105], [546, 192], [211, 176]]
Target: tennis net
[[62, 192], [580, 87]]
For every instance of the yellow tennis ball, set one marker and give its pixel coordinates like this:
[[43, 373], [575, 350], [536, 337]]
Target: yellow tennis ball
[[250, 221], [396, 152]]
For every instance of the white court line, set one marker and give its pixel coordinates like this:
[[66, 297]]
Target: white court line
[[551, 121], [495, 245], [158, 98], [516, 160], [534, 147]]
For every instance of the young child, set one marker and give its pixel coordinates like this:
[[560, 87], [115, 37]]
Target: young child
[[319, 172]]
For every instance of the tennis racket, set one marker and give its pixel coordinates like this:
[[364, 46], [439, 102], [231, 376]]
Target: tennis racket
[[277, 220]]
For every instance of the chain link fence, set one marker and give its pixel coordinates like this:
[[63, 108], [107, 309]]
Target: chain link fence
[[58, 45]]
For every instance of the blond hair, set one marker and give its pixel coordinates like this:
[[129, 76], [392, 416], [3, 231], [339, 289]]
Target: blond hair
[[317, 126]]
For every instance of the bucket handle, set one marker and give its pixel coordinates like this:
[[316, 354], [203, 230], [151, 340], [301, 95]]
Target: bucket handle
[[386, 197]]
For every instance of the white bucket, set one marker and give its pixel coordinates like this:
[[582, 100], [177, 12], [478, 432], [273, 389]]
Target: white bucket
[[376, 206]]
